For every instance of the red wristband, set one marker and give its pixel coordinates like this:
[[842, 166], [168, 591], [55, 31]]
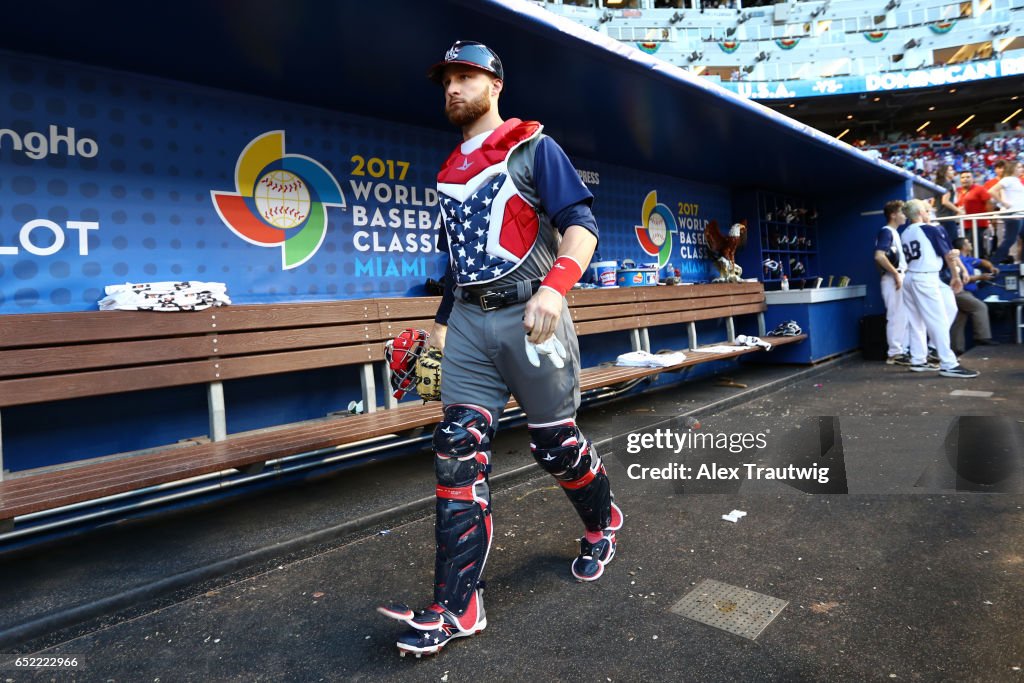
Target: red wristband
[[563, 275]]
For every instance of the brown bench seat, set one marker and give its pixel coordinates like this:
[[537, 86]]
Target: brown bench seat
[[47, 357]]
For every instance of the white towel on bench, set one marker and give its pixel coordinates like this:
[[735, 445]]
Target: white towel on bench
[[645, 359], [164, 296]]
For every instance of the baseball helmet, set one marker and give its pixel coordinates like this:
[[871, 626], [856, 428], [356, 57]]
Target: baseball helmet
[[402, 354], [470, 53]]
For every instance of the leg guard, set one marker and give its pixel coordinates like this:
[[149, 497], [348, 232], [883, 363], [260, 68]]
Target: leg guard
[[563, 452], [462, 444]]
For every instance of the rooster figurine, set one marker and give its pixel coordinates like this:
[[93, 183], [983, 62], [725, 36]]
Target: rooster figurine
[[722, 249]]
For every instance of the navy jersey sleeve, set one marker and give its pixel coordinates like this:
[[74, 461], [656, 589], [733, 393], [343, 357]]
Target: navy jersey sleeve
[[884, 240], [563, 195], [448, 298], [937, 236], [442, 241], [444, 309]]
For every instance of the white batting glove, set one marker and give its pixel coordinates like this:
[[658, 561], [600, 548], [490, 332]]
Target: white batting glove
[[552, 348]]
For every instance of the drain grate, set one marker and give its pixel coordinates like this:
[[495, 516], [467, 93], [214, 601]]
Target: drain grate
[[729, 608]]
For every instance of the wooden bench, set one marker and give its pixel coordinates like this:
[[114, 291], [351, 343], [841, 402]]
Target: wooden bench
[[637, 309], [55, 356], [46, 357]]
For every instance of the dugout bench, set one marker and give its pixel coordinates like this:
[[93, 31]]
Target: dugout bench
[[54, 356]]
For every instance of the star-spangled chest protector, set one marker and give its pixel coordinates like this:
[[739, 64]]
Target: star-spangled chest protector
[[491, 226]]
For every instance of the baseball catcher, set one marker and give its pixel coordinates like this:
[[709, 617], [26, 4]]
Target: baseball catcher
[[519, 233]]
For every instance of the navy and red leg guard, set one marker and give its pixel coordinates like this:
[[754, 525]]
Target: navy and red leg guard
[[572, 460], [462, 445]]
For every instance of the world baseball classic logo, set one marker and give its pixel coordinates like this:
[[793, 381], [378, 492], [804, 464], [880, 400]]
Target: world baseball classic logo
[[280, 199], [655, 234]]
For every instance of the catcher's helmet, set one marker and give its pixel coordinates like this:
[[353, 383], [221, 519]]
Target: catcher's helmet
[[402, 354], [470, 53]]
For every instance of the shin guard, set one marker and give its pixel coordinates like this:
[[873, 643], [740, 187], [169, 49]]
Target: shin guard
[[462, 444], [564, 453]]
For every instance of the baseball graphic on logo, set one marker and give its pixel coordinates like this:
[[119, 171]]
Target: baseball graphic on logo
[[282, 199], [657, 229]]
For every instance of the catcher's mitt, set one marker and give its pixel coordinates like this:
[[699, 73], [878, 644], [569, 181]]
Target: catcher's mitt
[[428, 374]]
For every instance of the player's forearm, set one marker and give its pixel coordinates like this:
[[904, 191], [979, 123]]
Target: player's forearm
[[579, 244], [574, 254], [883, 262], [438, 335], [953, 262]]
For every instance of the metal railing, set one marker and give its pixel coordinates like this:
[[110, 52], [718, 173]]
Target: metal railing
[[975, 217]]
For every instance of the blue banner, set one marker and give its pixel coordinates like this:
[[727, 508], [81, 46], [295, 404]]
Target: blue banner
[[881, 82], [107, 178]]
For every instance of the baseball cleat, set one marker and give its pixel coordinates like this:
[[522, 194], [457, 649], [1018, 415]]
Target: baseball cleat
[[959, 372], [901, 359], [923, 367], [589, 565], [787, 328], [425, 620], [419, 642]]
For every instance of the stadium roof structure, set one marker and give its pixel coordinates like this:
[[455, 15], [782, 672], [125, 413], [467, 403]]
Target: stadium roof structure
[[602, 99]]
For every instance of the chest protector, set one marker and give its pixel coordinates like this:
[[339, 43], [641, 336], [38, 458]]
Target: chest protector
[[491, 227]]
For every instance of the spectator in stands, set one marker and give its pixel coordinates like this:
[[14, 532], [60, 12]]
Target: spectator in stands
[[946, 207], [973, 198], [1000, 168], [1008, 193], [968, 304]]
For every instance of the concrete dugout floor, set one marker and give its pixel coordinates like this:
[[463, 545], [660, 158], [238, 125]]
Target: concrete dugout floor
[[904, 578]]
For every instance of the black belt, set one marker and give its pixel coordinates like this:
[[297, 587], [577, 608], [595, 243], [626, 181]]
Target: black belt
[[498, 297]]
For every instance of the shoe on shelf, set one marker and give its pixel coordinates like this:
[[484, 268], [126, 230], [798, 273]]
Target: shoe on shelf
[[901, 359], [959, 372]]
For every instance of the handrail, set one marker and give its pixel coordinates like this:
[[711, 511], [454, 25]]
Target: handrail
[[962, 232]]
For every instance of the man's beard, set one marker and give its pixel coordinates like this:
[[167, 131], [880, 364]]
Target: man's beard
[[465, 113]]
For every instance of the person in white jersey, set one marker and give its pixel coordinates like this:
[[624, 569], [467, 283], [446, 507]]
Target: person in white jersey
[[893, 264], [926, 250]]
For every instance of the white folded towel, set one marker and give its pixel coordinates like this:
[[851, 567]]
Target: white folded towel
[[164, 296], [646, 359]]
